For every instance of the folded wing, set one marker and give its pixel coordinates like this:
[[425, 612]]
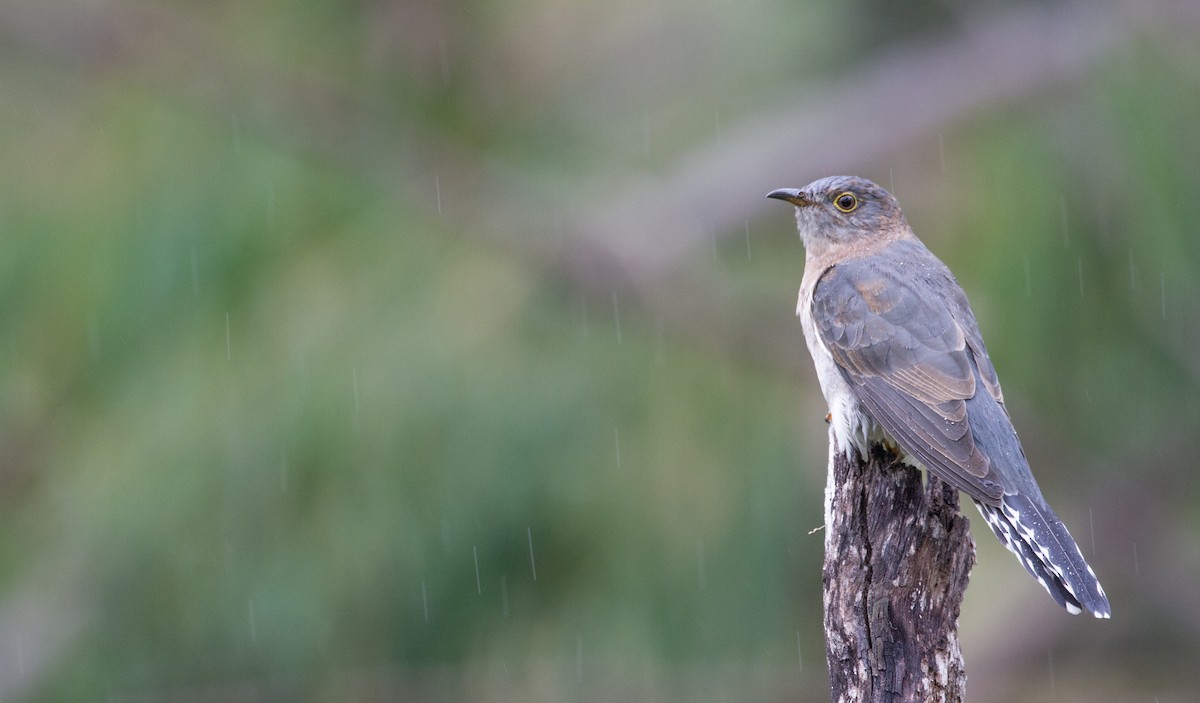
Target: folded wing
[[900, 329]]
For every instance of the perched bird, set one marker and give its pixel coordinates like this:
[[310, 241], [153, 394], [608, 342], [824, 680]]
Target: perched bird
[[900, 360]]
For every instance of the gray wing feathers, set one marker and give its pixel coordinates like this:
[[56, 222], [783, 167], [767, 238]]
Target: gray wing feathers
[[901, 331]]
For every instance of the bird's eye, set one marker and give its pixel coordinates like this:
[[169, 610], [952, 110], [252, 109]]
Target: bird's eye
[[846, 202]]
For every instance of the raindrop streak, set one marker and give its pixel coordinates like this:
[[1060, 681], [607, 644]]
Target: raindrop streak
[[746, 223], [617, 440], [584, 315], [659, 347], [237, 133], [425, 601], [617, 317], [1132, 271], [1092, 524], [228, 341], [504, 595], [1028, 278], [354, 381], [942, 151], [1062, 216], [645, 134], [1080, 267], [444, 62], [1162, 292], [532, 563], [478, 583], [579, 657], [195, 274], [799, 652], [701, 576], [1137, 570], [437, 189], [283, 472], [93, 336], [253, 627]]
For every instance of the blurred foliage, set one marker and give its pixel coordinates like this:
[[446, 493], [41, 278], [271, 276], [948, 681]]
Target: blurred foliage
[[277, 426]]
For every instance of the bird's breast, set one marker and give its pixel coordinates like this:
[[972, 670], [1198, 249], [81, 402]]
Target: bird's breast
[[849, 425]]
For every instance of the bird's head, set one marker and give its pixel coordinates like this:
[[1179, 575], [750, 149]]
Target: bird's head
[[843, 210]]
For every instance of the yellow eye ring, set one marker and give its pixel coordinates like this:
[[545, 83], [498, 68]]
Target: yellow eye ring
[[846, 202]]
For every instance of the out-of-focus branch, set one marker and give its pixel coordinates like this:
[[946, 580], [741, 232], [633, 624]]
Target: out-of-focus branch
[[901, 96], [645, 223]]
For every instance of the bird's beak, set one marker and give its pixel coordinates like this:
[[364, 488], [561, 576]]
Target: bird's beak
[[792, 195]]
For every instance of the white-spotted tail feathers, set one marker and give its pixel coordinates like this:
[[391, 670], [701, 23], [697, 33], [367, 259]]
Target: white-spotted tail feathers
[[1039, 539]]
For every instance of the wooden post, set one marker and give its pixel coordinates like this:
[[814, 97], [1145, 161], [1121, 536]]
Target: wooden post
[[897, 559]]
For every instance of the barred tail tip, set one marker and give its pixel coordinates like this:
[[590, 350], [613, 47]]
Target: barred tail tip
[[1048, 553]]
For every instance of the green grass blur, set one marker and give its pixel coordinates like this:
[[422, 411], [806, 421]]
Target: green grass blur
[[287, 414]]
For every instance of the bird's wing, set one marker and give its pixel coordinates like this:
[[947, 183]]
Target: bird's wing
[[899, 328]]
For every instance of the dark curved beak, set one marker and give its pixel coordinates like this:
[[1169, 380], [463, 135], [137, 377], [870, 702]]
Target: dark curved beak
[[792, 195]]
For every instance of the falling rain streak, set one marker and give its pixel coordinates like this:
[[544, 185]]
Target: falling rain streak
[[1028, 278], [701, 575], [1092, 523], [660, 355], [425, 601], [437, 189], [478, 582], [617, 317], [237, 132], [579, 657], [746, 224], [1080, 267], [228, 340], [195, 273], [583, 315], [799, 652], [1162, 292], [645, 134], [532, 563], [443, 62], [354, 382], [617, 441], [504, 595], [1062, 217]]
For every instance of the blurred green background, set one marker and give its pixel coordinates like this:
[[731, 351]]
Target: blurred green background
[[445, 351]]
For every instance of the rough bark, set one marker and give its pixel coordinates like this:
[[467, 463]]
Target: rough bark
[[897, 558]]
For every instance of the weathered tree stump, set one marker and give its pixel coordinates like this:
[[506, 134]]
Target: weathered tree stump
[[897, 558]]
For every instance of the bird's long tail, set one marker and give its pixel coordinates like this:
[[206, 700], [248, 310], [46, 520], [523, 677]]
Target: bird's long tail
[[1031, 530]]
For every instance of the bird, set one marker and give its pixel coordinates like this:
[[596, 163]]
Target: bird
[[901, 362]]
